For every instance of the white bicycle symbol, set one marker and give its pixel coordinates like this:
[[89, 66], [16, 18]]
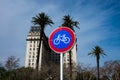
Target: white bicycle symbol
[[62, 38]]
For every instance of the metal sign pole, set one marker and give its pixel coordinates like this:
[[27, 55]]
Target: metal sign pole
[[61, 66], [59, 37]]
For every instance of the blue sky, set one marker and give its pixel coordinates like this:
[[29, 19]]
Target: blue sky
[[99, 25]]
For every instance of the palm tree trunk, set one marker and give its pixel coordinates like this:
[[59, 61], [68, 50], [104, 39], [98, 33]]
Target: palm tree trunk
[[70, 65], [98, 75], [38, 53]]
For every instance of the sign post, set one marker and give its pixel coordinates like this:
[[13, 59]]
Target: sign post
[[60, 41], [61, 66]]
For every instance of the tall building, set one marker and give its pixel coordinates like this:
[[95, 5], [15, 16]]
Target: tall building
[[73, 55], [47, 56]]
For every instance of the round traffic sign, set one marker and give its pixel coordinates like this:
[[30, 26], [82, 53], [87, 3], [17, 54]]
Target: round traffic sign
[[61, 39]]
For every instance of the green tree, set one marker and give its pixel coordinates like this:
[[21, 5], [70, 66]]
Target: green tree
[[12, 63], [2, 71], [86, 75], [97, 52], [70, 23], [25, 74], [111, 70], [42, 20]]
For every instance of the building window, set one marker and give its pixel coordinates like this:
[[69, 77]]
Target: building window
[[30, 56], [37, 49], [29, 52], [34, 45], [67, 59], [30, 45], [33, 53], [33, 48], [33, 56], [32, 63], [29, 64], [29, 60]]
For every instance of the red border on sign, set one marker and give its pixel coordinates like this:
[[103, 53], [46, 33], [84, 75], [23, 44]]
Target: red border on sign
[[69, 46]]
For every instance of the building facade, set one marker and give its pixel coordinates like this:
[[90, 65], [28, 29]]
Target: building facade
[[32, 47], [73, 57], [47, 56]]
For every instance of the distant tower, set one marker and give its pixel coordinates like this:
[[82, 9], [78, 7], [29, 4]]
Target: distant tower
[[73, 55], [32, 46]]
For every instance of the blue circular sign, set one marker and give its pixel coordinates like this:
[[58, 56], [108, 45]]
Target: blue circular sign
[[61, 39]]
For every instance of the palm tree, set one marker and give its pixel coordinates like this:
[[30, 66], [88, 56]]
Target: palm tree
[[42, 20], [97, 52], [68, 22]]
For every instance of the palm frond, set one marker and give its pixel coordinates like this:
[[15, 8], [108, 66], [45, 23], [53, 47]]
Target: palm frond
[[42, 19], [97, 51], [68, 21]]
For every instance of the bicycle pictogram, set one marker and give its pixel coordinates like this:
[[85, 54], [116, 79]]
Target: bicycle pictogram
[[62, 38]]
